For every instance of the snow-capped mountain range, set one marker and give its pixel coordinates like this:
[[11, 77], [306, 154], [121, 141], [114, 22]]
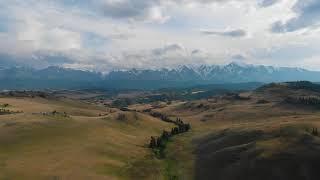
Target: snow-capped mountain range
[[230, 73], [58, 77]]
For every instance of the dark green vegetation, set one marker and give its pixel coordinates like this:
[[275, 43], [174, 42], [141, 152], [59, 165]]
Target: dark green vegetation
[[158, 144], [4, 105], [7, 111], [4, 109]]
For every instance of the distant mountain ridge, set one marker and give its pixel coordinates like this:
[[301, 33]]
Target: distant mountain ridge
[[183, 76], [51, 77], [231, 73]]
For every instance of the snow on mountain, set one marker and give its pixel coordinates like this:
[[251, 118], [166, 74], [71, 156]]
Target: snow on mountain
[[24, 77], [233, 72]]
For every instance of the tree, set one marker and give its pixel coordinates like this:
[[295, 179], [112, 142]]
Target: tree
[[188, 127], [315, 131], [160, 143], [165, 135], [153, 143], [174, 131]]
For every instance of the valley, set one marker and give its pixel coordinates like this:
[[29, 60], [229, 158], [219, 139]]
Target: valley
[[159, 90], [234, 135]]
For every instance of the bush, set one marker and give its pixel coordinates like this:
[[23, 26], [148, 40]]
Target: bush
[[121, 117]]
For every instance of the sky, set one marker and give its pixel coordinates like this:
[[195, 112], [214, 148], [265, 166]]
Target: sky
[[104, 35]]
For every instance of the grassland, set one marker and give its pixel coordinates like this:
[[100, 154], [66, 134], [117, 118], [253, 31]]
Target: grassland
[[244, 138], [252, 135], [82, 145]]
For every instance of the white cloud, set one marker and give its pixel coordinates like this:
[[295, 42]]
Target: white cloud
[[307, 14], [115, 34]]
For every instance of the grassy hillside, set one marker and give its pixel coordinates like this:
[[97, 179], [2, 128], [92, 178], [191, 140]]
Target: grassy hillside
[[40, 144], [253, 135], [236, 136], [290, 152]]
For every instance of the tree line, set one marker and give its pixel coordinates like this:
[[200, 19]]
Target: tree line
[[307, 100], [158, 144]]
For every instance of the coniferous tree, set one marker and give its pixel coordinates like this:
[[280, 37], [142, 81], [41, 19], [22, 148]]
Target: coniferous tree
[[165, 135], [160, 142], [153, 143], [315, 131]]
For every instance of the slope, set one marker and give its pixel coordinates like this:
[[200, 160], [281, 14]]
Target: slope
[[68, 139]]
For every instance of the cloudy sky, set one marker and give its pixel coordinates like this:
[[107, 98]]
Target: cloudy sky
[[103, 35]]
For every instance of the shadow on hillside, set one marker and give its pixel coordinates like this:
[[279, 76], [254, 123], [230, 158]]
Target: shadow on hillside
[[287, 153]]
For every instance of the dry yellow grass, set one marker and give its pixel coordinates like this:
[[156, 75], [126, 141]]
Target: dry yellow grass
[[218, 115], [89, 146], [82, 146]]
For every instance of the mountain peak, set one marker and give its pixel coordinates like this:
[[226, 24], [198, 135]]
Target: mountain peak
[[235, 72], [239, 64]]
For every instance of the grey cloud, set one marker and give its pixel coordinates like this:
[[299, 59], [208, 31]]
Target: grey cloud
[[308, 14], [35, 60], [168, 48], [118, 9], [267, 3], [238, 57], [172, 55], [294, 53], [236, 33], [51, 58], [127, 8], [141, 9], [196, 51], [260, 3]]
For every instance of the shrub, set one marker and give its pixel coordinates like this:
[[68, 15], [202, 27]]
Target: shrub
[[121, 117]]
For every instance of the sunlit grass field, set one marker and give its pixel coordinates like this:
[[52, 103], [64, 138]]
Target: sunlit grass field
[[82, 145]]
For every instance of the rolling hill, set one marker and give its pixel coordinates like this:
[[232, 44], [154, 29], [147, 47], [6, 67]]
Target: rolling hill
[[255, 134], [252, 135], [54, 138]]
